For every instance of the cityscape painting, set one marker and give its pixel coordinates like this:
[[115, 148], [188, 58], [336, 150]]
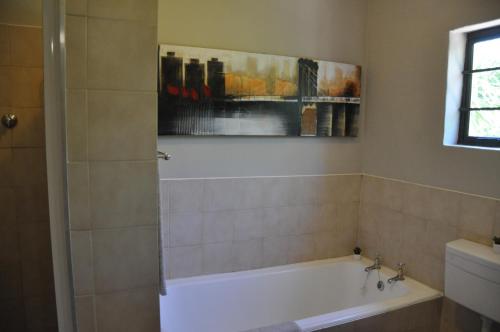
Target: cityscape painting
[[210, 92]]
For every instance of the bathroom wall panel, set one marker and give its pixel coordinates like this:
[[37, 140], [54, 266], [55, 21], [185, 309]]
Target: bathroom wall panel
[[112, 167], [217, 225], [411, 223]]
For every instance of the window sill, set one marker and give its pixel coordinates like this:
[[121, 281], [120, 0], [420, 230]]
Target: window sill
[[474, 147]]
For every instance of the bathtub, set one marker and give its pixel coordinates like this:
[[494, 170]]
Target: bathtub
[[316, 295]]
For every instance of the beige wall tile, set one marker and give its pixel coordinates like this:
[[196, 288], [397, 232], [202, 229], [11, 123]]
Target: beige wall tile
[[477, 216], [123, 193], [164, 197], [84, 309], [218, 226], [437, 237], [346, 216], [218, 195], [76, 52], [25, 87], [76, 7], [277, 191], [247, 255], [324, 245], [26, 46], [125, 258], [31, 203], [185, 261], [78, 196], [382, 192], [29, 131], [9, 243], [76, 124], [140, 10], [121, 55], [29, 166], [4, 45], [346, 188], [279, 221], [11, 272], [186, 195], [186, 229], [122, 125], [35, 238], [248, 225], [7, 204], [249, 193], [81, 259], [275, 251], [217, 257], [301, 248], [6, 167], [128, 311]]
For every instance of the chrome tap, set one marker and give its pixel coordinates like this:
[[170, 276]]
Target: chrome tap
[[399, 276], [376, 264]]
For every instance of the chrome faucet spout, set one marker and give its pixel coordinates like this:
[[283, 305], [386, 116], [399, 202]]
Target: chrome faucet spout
[[376, 264], [400, 276]]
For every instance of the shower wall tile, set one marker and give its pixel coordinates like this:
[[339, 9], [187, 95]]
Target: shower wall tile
[[113, 113], [136, 10], [84, 309], [134, 310], [123, 193], [129, 63], [116, 251], [29, 131], [25, 87], [78, 196], [112, 176], [26, 46], [261, 221], [76, 52], [76, 7], [415, 230], [5, 56], [81, 257], [76, 124]]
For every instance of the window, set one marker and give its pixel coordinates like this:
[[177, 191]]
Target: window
[[480, 107]]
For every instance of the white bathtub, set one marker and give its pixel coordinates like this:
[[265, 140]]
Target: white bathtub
[[315, 295]]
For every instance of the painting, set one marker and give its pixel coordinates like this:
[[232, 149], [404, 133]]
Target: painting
[[211, 92]]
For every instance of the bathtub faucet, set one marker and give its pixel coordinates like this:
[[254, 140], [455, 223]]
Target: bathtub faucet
[[376, 264], [399, 276]]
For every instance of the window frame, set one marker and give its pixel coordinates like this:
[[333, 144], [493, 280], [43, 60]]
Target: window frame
[[463, 133]]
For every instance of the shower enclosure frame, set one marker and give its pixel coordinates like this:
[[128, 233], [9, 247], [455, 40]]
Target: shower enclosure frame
[[55, 137]]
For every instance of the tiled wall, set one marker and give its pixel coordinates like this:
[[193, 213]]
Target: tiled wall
[[229, 224], [411, 223], [112, 167], [27, 300]]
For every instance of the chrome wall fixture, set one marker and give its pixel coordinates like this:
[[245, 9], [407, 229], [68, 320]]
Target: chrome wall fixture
[[163, 155], [9, 120]]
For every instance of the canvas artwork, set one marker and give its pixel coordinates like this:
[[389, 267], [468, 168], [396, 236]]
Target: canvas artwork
[[228, 93]]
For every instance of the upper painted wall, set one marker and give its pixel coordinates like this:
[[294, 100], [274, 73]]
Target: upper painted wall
[[322, 29], [406, 53]]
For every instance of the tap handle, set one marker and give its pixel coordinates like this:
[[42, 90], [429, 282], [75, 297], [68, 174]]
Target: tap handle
[[401, 267]]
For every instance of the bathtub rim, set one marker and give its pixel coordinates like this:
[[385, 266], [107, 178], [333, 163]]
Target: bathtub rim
[[418, 293]]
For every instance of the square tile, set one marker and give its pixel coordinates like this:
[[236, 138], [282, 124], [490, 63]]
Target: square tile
[[219, 195], [123, 194], [25, 87], [275, 251], [186, 229], [121, 55], [185, 261], [301, 248], [76, 125], [31, 203], [248, 225], [218, 226], [85, 317], [76, 7], [128, 311], [247, 255], [78, 196], [26, 46], [477, 217], [186, 195], [121, 119], [125, 258], [218, 257], [76, 52], [30, 129], [82, 265], [29, 167], [5, 57]]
